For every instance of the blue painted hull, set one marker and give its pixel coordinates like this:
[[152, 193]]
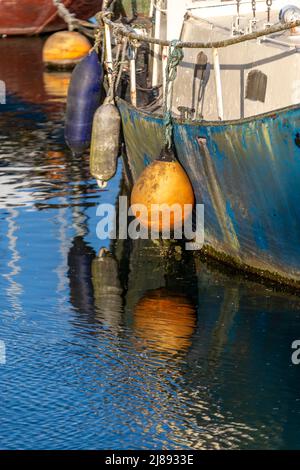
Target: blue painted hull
[[247, 175]]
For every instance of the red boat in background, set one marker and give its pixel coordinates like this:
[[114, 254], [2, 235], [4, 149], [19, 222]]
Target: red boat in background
[[21, 17]]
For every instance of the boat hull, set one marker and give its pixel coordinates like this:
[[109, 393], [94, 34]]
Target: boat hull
[[246, 173], [36, 16]]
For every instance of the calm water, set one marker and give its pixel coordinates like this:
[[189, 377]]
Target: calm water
[[148, 348]]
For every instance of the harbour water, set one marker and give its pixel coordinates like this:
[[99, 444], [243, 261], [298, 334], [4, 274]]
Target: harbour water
[[152, 348]]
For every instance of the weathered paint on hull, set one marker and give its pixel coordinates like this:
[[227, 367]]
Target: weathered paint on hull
[[247, 175]]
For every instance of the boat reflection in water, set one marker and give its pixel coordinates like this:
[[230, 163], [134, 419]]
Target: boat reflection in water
[[80, 259], [199, 349], [162, 305], [108, 293]]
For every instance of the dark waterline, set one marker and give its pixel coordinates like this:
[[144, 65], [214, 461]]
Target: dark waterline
[[149, 348]]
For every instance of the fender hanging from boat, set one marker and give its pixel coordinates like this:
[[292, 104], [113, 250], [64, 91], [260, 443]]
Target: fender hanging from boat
[[84, 96], [105, 141]]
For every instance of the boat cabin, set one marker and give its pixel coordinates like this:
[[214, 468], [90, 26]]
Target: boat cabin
[[237, 81]]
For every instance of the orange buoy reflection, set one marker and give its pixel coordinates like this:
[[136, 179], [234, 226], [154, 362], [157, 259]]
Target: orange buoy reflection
[[165, 320], [56, 160], [56, 84]]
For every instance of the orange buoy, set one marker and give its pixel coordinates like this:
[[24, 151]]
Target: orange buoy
[[165, 320], [65, 48], [163, 182]]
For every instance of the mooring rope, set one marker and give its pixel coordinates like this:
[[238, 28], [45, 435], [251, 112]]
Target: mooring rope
[[68, 17], [114, 74], [122, 62], [175, 56]]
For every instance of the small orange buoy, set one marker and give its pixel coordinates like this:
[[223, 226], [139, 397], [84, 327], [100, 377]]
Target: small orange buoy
[[65, 49], [164, 183], [165, 320]]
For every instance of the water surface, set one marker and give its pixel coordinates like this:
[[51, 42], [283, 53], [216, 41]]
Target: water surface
[[148, 348]]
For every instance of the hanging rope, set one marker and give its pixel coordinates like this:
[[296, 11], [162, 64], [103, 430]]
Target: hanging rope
[[175, 56], [98, 41], [68, 17], [122, 62], [114, 73], [100, 36]]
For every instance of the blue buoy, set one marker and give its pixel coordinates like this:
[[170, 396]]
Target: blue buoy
[[84, 96]]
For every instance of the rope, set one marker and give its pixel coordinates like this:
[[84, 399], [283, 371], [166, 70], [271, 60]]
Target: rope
[[72, 22], [64, 13], [175, 56], [115, 70], [121, 63], [100, 36], [98, 40], [120, 29]]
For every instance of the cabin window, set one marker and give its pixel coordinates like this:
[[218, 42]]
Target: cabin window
[[256, 86]]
